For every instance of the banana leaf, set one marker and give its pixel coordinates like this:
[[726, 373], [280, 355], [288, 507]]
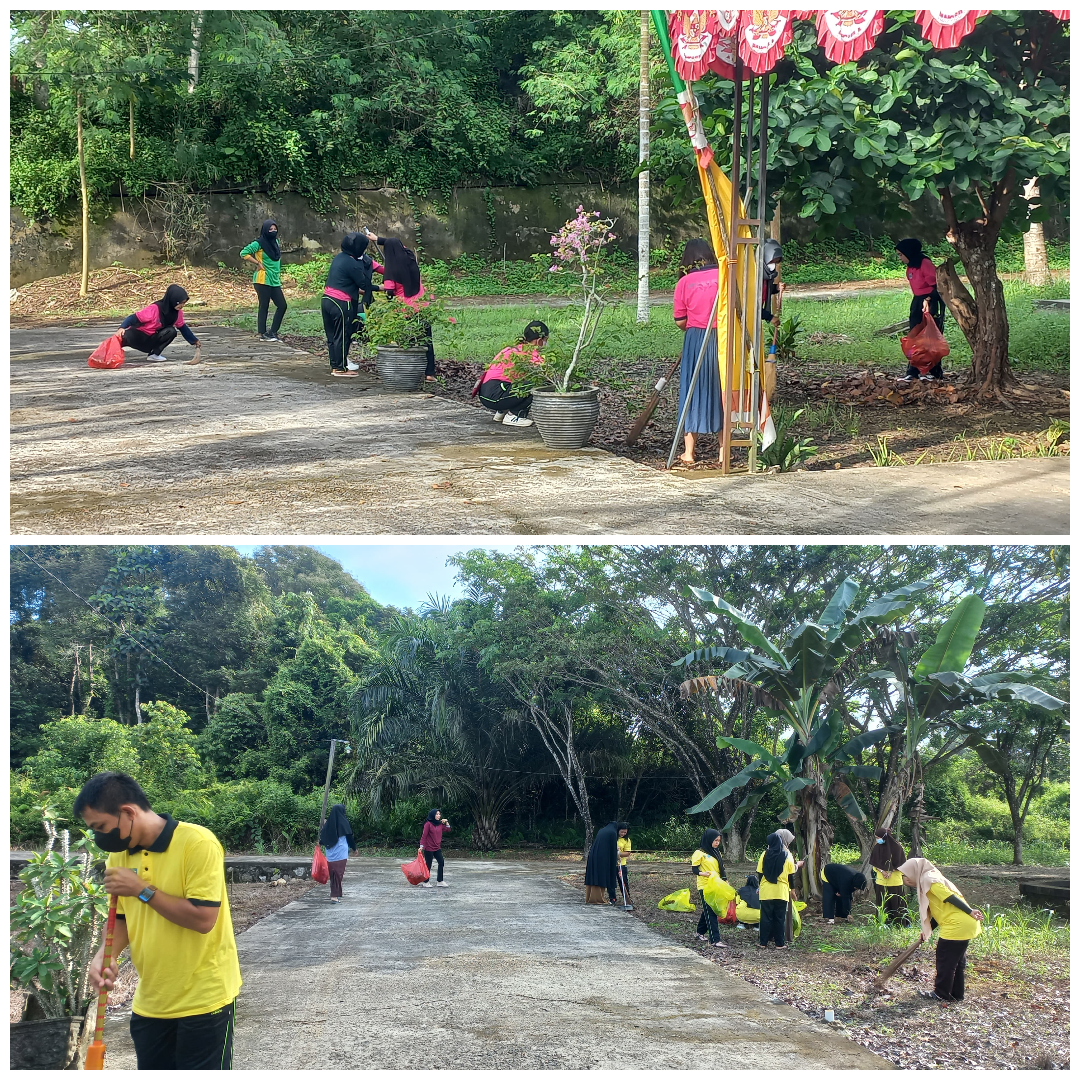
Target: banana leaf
[[955, 640], [809, 654], [741, 779], [751, 800], [819, 737], [795, 753], [797, 784], [864, 739], [841, 600], [848, 803], [993, 759], [1030, 695], [749, 629], [748, 746], [892, 605], [712, 652], [868, 772]]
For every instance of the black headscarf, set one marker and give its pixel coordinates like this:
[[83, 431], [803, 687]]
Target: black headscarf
[[912, 248], [167, 305], [337, 825], [749, 892], [268, 241], [431, 815], [707, 838], [772, 865], [401, 265], [888, 856], [354, 244]]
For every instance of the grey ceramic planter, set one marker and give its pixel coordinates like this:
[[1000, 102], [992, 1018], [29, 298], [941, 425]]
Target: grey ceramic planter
[[401, 369], [49, 1044], [566, 421]]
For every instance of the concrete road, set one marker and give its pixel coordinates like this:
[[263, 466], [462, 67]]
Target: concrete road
[[259, 440], [505, 969]]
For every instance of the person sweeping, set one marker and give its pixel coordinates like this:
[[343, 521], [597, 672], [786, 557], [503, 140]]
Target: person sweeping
[[347, 293], [602, 865], [625, 846], [705, 863], [941, 904], [172, 909], [265, 253], [336, 836], [886, 857], [431, 844], [838, 884], [776, 867]]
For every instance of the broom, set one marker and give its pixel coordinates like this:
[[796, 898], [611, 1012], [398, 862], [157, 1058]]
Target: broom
[[894, 967], [95, 1052], [645, 415]]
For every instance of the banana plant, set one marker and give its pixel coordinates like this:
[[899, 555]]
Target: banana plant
[[927, 693], [799, 685]]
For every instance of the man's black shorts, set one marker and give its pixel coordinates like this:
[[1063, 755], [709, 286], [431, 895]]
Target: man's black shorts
[[188, 1042]]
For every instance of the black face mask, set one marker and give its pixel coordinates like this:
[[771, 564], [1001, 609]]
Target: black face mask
[[112, 840]]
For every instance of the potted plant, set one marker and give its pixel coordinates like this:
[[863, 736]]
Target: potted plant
[[398, 333], [565, 407], [56, 925]]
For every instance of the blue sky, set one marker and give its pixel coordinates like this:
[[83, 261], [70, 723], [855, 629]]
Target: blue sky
[[401, 574]]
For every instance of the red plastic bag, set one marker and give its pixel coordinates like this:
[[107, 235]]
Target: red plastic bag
[[924, 346], [730, 916], [109, 354], [320, 870], [417, 871]]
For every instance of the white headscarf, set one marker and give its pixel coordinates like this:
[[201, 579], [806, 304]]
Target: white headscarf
[[924, 873]]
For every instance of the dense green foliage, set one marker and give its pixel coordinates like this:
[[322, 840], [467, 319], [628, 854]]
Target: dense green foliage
[[467, 705], [421, 100]]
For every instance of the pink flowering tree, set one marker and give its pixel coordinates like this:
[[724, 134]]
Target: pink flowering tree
[[578, 246]]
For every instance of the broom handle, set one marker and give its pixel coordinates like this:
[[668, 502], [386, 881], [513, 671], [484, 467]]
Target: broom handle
[[892, 969], [106, 960]]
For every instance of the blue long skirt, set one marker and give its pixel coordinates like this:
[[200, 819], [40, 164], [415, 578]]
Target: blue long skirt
[[706, 412]]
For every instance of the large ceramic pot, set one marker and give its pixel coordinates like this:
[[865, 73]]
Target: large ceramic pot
[[49, 1044], [566, 421], [401, 369]]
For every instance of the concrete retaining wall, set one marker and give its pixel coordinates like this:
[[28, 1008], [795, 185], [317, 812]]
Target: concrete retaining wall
[[241, 868]]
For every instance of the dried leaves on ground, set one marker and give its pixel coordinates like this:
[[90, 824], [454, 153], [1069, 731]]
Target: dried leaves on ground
[[1013, 1016]]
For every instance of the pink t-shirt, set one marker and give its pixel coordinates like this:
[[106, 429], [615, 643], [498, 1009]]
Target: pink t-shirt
[[500, 367], [150, 319], [922, 279], [695, 294]]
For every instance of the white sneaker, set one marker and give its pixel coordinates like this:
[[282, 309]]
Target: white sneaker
[[498, 417], [905, 378], [441, 885], [926, 378], [156, 357], [350, 366], [427, 885], [517, 421]]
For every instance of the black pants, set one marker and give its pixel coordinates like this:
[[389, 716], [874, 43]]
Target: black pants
[[339, 320], [625, 877], [937, 310], [773, 922], [190, 1042], [148, 343], [495, 395], [892, 896], [708, 922], [951, 959], [430, 351], [266, 293], [834, 905], [436, 855]]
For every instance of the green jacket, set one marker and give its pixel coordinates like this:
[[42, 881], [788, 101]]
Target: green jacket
[[269, 271]]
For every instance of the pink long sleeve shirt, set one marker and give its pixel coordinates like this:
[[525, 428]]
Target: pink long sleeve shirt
[[431, 837], [922, 278]]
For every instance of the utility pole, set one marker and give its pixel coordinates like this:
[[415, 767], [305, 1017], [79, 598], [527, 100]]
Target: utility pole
[[329, 772]]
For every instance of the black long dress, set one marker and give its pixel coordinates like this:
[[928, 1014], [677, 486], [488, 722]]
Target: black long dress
[[602, 867]]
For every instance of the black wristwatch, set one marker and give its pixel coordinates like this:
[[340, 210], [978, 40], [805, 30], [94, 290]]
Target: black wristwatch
[[147, 894]]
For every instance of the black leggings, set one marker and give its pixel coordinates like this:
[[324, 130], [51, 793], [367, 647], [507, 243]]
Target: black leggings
[[494, 394], [266, 293], [708, 922], [436, 855], [773, 925], [339, 319], [834, 904], [148, 343], [951, 958]]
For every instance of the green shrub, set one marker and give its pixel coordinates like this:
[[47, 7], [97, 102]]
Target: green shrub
[[73, 748]]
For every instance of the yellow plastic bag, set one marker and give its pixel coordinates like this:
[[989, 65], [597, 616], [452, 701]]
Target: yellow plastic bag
[[677, 901], [747, 915], [717, 893], [796, 921]]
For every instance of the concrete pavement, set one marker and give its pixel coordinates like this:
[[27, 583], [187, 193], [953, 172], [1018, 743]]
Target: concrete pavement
[[259, 440], [507, 968]]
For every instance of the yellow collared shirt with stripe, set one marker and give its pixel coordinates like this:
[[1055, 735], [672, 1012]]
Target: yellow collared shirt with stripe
[[953, 924], [781, 890], [704, 863]]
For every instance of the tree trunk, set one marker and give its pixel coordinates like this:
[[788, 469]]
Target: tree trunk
[[193, 58], [643, 177], [84, 280], [918, 815], [131, 127], [1036, 264], [975, 242], [774, 225], [138, 711], [1017, 819], [817, 831]]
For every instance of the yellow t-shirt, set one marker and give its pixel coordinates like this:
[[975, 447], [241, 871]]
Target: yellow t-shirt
[[624, 847], [181, 972], [888, 880], [953, 924], [781, 890], [703, 862]]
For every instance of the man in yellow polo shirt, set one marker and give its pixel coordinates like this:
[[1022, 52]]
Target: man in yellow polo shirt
[[173, 910]]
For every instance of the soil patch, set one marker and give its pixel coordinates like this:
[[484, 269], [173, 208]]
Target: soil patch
[[1012, 1017]]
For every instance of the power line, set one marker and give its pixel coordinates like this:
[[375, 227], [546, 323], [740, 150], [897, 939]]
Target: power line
[[115, 626]]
